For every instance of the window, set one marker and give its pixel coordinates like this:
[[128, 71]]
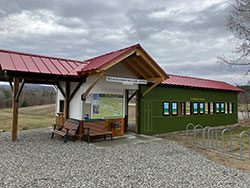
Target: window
[[174, 107], [230, 108], [187, 108], [166, 109], [207, 110], [202, 108], [61, 105], [195, 108], [183, 108], [217, 107], [222, 107], [211, 108], [226, 108]]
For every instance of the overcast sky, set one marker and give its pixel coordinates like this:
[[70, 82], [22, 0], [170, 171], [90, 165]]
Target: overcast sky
[[183, 36]]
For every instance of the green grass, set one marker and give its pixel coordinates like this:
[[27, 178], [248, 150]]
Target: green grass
[[28, 117]]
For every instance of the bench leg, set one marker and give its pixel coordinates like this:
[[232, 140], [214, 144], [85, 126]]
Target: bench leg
[[104, 137], [65, 138], [88, 138], [52, 136], [111, 137]]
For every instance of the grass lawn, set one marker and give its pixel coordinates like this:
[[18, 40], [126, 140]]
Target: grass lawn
[[212, 154], [28, 117]]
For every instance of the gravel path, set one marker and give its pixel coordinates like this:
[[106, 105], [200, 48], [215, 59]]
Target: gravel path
[[37, 161]]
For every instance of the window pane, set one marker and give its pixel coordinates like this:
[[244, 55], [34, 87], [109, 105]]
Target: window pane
[[230, 108], [201, 107], [195, 108], [217, 107], [61, 105], [207, 108], [174, 108], [222, 107], [187, 108], [211, 108], [226, 108], [166, 108]]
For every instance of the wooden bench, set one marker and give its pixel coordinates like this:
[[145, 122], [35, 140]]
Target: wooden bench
[[69, 129], [96, 129]]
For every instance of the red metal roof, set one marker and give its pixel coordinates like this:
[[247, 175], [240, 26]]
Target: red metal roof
[[24, 62], [185, 81], [99, 61]]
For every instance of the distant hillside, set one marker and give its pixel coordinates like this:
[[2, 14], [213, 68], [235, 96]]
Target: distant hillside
[[32, 95], [30, 87]]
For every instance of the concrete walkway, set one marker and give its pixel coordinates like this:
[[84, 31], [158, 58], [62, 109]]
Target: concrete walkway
[[128, 138]]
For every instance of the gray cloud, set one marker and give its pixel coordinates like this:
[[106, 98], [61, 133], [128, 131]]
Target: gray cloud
[[184, 37]]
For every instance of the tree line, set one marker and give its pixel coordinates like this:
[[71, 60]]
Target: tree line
[[30, 96]]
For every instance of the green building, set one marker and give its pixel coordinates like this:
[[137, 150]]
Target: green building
[[181, 100]]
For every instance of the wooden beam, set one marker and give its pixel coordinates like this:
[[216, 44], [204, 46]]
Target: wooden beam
[[19, 91], [99, 76], [126, 110], [143, 67], [131, 96], [61, 90], [137, 68], [14, 109], [155, 66], [117, 61], [154, 80], [11, 86], [150, 88], [75, 90], [66, 100], [40, 77], [132, 69]]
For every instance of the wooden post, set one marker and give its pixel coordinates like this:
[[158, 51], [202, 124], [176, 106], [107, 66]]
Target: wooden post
[[126, 110], [66, 100], [137, 112], [15, 103]]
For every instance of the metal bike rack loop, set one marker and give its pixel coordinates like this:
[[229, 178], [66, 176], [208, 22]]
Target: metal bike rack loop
[[241, 143], [197, 126], [187, 129], [222, 139], [204, 135]]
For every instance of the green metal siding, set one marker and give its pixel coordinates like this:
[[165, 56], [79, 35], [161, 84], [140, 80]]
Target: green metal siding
[[152, 121]]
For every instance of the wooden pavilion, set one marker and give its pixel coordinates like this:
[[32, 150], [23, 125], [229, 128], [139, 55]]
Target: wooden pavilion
[[69, 76]]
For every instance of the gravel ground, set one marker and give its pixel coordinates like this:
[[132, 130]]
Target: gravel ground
[[37, 161]]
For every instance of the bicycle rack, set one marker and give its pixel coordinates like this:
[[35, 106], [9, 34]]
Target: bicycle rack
[[197, 126], [187, 129], [241, 143], [222, 139], [210, 142], [204, 135]]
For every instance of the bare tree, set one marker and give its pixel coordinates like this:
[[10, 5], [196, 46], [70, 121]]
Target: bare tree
[[238, 23]]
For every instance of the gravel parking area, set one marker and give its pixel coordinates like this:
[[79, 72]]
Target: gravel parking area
[[37, 161]]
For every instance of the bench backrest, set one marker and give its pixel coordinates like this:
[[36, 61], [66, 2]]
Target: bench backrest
[[72, 125], [95, 126]]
